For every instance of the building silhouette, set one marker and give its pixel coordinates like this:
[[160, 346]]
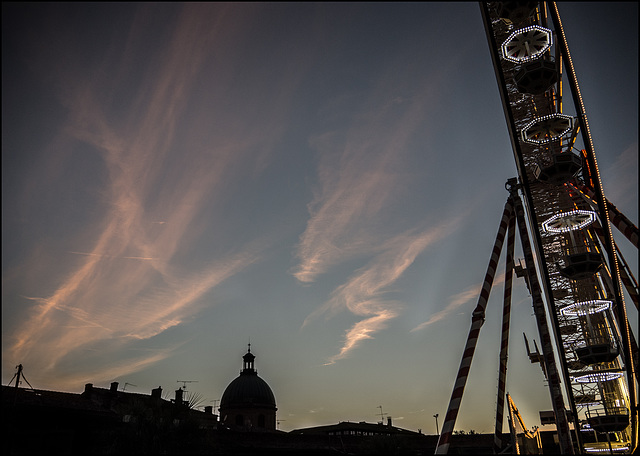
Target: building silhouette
[[101, 421], [113, 421], [248, 402]]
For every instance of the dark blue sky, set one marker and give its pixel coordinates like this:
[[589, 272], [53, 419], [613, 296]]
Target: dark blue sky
[[323, 178]]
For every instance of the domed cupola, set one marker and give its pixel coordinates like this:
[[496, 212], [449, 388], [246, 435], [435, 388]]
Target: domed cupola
[[248, 402]]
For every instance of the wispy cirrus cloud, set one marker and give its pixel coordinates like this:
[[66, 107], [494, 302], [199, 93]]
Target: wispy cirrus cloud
[[362, 176], [367, 293], [363, 170], [107, 363], [127, 286], [458, 300], [351, 195], [77, 316]]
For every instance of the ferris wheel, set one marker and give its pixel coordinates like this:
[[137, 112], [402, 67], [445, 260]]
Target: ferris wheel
[[574, 271]]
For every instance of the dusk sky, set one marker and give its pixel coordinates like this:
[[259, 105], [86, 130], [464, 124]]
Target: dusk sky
[[325, 181]]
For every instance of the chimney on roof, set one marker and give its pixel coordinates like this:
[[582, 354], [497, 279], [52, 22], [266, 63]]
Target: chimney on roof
[[88, 390], [114, 387], [208, 410], [389, 421], [156, 392], [178, 399]]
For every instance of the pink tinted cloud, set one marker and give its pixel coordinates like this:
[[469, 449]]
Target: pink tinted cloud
[[366, 293], [363, 330], [359, 177], [362, 171], [126, 286], [110, 365]]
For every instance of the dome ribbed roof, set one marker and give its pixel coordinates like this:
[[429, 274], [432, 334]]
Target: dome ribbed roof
[[248, 390]]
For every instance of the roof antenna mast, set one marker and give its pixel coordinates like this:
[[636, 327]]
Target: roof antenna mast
[[17, 376]]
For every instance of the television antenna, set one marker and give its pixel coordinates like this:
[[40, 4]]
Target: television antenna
[[17, 376], [184, 383], [125, 385], [381, 414]]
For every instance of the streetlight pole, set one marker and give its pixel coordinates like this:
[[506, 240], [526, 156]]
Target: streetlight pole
[[436, 417]]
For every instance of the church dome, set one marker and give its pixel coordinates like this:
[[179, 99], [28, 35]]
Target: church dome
[[248, 390]]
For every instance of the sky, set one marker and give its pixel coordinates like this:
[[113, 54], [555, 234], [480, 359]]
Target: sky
[[324, 181]]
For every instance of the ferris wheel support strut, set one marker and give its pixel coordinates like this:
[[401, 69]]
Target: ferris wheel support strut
[[504, 343], [513, 212], [477, 321], [553, 375]]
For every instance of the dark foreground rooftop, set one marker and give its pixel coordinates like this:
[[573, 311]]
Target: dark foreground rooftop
[[108, 421]]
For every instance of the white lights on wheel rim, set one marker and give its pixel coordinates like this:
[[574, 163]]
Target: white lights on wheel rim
[[526, 44], [595, 377], [586, 307], [569, 221], [547, 128]]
